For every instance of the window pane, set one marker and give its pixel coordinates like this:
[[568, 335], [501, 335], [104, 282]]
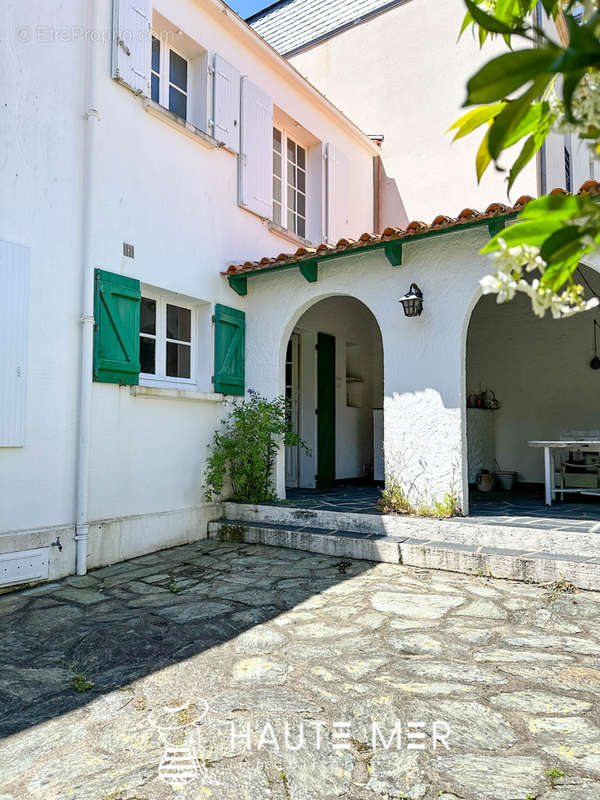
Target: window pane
[[291, 150], [291, 198], [178, 360], [301, 200], [154, 81], [178, 70], [301, 180], [291, 222], [276, 140], [291, 174], [179, 323], [148, 316], [155, 54], [276, 190], [147, 355], [277, 214], [177, 102], [277, 164], [300, 227], [301, 160]]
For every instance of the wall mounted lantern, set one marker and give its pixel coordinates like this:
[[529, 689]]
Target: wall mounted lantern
[[412, 301]]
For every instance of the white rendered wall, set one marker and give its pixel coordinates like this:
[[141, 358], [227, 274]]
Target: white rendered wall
[[402, 74], [539, 370], [176, 202], [349, 322]]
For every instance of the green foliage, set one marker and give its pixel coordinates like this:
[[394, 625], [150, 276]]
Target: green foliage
[[394, 501], [518, 98], [80, 683], [245, 448], [554, 774]]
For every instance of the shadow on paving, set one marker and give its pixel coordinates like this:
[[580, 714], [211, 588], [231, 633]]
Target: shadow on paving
[[121, 623]]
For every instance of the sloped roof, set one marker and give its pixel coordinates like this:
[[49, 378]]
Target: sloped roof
[[467, 218], [290, 25]]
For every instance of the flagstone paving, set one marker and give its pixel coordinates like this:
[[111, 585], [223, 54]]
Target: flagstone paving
[[316, 664]]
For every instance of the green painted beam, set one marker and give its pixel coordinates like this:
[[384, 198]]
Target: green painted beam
[[393, 253], [495, 225], [310, 270], [239, 284]]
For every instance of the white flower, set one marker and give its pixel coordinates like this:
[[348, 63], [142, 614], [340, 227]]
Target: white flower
[[502, 283]]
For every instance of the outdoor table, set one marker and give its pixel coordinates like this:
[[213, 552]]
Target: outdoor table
[[588, 445]]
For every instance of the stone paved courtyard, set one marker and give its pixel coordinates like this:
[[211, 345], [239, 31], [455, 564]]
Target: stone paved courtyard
[[284, 642]]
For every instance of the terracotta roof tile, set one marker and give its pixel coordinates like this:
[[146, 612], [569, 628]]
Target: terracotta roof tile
[[466, 216]]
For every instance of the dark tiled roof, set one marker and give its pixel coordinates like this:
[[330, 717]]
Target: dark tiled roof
[[290, 25], [467, 217]]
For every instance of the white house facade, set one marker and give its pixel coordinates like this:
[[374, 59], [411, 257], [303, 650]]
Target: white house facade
[[139, 141], [162, 161]]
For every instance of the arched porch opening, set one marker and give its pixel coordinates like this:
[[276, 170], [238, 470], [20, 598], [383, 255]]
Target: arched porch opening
[[529, 379], [333, 378]]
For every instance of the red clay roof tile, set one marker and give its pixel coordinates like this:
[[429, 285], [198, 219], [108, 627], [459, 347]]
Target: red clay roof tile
[[390, 234]]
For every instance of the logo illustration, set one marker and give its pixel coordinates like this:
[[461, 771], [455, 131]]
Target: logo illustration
[[178, 727]]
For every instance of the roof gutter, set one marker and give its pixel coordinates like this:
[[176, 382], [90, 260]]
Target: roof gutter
[[292, 72]]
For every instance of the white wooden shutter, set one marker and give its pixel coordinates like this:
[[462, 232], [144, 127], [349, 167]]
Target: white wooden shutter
[[132, 42], [256, 152], [226, 104], [337, 194], [14, 304]]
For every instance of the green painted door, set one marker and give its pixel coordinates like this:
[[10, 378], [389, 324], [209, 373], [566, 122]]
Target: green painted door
[[325, 410]]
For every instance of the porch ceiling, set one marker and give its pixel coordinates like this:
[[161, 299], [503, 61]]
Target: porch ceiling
[[308, 259]]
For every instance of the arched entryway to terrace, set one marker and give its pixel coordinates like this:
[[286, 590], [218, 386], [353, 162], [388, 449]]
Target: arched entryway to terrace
[[530, 380], [334, 381]]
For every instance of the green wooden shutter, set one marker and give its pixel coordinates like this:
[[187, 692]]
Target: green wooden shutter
[[117, 328], [230, 350]]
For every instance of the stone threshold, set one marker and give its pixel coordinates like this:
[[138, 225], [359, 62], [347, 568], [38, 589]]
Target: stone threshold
[[522, 561]]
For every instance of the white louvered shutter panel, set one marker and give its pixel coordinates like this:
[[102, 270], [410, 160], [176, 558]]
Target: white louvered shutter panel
[[14, 304], [226, 111], [256, 153], [132, 43], [337, 193]]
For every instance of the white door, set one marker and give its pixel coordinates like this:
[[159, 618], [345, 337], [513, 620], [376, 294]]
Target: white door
[[292, 394]]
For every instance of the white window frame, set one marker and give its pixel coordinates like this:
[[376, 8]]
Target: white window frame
[[285, 135], [160, 378], [164, 82]]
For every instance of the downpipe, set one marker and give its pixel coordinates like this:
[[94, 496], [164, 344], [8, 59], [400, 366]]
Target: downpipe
[[87, 304]]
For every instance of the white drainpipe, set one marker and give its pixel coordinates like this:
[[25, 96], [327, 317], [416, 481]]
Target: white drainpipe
[[87, 303]]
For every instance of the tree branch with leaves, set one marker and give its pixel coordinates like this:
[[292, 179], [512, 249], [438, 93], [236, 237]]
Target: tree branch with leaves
[[547, 82]]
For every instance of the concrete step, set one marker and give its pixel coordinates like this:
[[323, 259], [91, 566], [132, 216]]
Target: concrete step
[[329, 542], [537, 566], [526, 534]]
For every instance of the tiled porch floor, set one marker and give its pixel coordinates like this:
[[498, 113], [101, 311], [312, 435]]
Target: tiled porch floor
[[521, 507]]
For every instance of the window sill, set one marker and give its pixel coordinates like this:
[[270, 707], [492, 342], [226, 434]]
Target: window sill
[[278, 230], [156, 110], [176, 394]]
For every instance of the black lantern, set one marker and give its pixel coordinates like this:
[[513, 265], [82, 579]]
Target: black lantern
[[412, 301]]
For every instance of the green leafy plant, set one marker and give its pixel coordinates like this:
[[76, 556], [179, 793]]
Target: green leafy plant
[[394, 500], [518, 97], [554, 774], [80, 683], [245, 448]]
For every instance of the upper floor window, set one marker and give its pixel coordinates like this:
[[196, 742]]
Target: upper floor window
[[289, 183], [169, 78]]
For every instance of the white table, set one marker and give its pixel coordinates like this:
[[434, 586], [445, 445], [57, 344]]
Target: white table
[[588, 445]]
